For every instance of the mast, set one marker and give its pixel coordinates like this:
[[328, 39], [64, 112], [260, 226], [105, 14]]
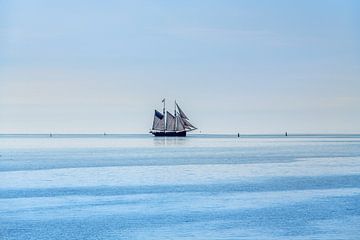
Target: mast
[[164, 113], [175, 109], [164, 106], [175, 116]]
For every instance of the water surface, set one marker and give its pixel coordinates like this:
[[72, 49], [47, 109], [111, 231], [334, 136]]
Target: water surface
[[198, 187]]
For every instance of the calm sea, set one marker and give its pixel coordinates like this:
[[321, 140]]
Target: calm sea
[[198, 187]]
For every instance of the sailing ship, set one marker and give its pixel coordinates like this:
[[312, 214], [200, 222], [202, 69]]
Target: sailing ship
[[172, 125]]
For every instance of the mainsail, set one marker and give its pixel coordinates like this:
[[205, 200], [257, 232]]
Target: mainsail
[[170, 122], [179, 124]]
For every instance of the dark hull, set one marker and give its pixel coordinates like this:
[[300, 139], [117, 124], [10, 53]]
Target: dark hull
[[169, 134]]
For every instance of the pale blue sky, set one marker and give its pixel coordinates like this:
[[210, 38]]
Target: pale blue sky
[[234, 66]]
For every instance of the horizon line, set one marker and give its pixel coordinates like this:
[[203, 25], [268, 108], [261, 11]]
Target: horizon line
[[230, 134]]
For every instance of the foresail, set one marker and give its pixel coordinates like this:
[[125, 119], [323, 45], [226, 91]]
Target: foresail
[[182, 114], [188, 125], [170, 122], [159, 121]]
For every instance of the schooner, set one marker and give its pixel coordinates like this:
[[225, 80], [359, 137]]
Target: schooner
[[171, 125]]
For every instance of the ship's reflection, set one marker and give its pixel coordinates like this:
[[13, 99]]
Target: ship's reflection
[[169, 141]]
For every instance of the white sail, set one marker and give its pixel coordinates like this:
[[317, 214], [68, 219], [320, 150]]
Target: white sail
[[159, 121], [179, 124], [182, 114], [170, 122]]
